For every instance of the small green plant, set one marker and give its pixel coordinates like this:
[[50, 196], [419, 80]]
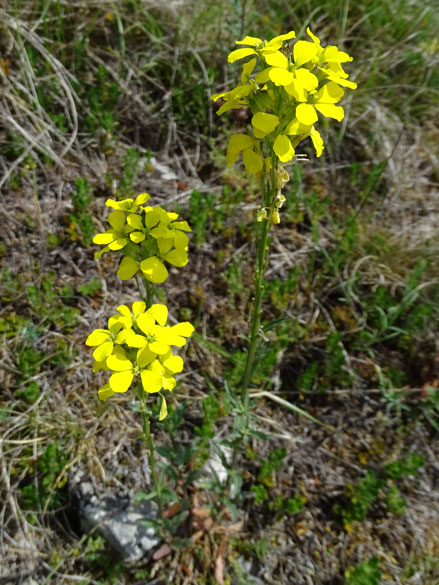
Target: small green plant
[[130, 170], [404, 467], [360, 496], [91, 288], [283, 506], [80, 218], [102, 97], [270, 465], [97, 554], [47, 491], [204, 213], [366, 573]]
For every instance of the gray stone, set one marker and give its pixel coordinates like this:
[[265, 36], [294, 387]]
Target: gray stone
[[215, 468], [119, 521]]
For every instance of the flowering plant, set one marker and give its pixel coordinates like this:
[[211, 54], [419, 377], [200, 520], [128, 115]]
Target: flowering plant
[[137, 344], [285, 89]]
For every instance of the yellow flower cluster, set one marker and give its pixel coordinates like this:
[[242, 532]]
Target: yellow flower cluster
[[137, 344], [285, 96], [147, 235]]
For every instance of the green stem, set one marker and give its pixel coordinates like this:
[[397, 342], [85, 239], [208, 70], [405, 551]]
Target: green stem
[[256, 309], [268, 196], [151, 451]]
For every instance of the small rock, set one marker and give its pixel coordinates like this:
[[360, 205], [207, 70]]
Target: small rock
[[119, 521], [167, 174], [214, 467]]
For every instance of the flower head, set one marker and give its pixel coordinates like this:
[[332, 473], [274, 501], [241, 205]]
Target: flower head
[[138, 345], [149, 237], [286, 94]]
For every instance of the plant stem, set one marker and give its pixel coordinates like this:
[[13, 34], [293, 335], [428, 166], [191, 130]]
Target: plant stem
[[268, 196], [256, 309], [150, 442]]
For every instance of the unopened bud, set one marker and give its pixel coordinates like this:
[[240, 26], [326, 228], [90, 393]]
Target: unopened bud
[[262, 214], [280, 200], [274, 216]]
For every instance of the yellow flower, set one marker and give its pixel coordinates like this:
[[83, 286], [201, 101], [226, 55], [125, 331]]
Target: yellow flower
[[125, 370], [323, 101], [115, 238], [103, 340], [241, 143], [128, 205], [301, 131], [140, 346], [263, 47]]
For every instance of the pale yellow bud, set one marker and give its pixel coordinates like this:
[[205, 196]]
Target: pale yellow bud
[[274, 216], [280, 200], [282, 177], [261, 214]]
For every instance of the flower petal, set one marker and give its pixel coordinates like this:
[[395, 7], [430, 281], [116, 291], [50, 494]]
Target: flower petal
[[308, 80], [119, 363], [277, 59], [283, 148], [252, 41], [134, 340], [102, 351], [145, 356], [317, 141], [181, 225], [306, 114], [105, 238], [151, 381], [137, 237], [159, 312], [138, 307], [146, 323], [97, 337], [118, 244], [105, 392], [154, 270], [253, 162], [237, 143], [128, 268], [240, 54], [142, 198], [177, 258], [330, 93], [304, 51], [121, 381], [174, 364], [159, 347], [331, 111], [281, 76], [266, 123], [185, 328], [247, 69], [117, 220], [163, 409]]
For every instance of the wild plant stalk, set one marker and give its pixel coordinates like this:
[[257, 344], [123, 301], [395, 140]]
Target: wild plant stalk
[[285, 89], [148, 296], [268, 193], [137, 346], [149, 438]]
